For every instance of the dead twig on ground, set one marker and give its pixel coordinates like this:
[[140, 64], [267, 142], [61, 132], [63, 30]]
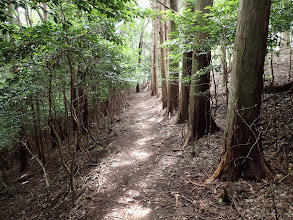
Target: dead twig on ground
[[285, 177], [188, 200]]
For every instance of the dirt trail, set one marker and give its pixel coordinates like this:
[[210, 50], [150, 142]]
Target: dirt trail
[[130, 181], [143, 176]]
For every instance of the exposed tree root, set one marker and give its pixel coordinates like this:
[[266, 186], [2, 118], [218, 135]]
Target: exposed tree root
[[216, 174], [258, 168]]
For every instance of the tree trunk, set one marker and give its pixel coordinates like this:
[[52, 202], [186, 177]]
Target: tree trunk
[[225, 67], [200, 120], [23, 152], [173, 90], [154, 86], [18, 17], [163, 59], [27, 16], [225, 72], [85, 114], [76, 126], [23, 158], [10, 18], [139, 55], [40, 130], [286, 36], [242, 154], [45, 7], [182, 115], [167, 31], [36, 133], [73, 100]]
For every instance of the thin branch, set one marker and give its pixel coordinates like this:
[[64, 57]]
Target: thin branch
[[39, 162]]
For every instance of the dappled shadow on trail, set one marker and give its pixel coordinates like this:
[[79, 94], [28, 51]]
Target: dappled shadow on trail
[[124, 185], [144, 173]]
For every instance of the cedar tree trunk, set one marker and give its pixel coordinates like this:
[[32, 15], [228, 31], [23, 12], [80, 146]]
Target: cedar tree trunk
[[173, 74], [154, 86], [163, 59], [200, 120], [242, 155], [182, 115]]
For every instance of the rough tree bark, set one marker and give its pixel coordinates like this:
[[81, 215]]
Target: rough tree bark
[[200, 120], [182, 115], [154, 86], [76, 126], [242, 154], [140, 44], [173, 90], [163, 58], [225, 72]]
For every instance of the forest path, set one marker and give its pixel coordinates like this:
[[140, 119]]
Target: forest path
[[139, 176]]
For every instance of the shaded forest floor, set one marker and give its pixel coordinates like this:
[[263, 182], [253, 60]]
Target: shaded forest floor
[[141, 174]]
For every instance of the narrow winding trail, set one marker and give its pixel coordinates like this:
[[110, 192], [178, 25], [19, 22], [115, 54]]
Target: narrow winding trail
[[130, 180], [141, 175]]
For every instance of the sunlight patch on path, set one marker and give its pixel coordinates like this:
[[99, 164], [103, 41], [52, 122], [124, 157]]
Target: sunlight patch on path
[[141, 155], [120, 163], [136, 164], [132, 212], [155, 119], [143, 141]]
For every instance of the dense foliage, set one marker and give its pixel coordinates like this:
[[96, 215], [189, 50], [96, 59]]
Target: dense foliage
[[35, 53]]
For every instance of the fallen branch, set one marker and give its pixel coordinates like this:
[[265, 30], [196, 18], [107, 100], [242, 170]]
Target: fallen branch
[[188, 200], [285, 177]]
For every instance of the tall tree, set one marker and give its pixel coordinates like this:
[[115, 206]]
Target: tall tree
[[286, 34], [139, 54], [173, 90], [154, 86], [182, 115], [163, 57], [242, 155], [27, 15], [200, 120]]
